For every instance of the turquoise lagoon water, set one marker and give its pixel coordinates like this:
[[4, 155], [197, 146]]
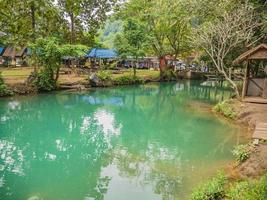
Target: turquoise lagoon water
[[154, 141]]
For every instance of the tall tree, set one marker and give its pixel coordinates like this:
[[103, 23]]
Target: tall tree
[[24, 20], [221, 37], [49, 53], [132, 41], [168, 23], [85, 16]]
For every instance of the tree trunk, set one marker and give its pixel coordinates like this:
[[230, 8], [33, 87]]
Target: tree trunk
[[233, 84], [33, 19], [32, 7], [162, 66], [135, 66], [72, 39], [57, 75]]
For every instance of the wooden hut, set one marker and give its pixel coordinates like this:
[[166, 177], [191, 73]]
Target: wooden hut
[[15, 56], [254, 88]]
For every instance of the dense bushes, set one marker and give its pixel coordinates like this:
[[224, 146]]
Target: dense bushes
[[127, 80], [225, 109], [44, 80], [241, 152], [248, 190], [4, 91], [48, 53], [221, 188], [104, 75], [104, 78], [211, 190]]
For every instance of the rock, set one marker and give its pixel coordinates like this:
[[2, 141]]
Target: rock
[[95, 81], [23, 89]]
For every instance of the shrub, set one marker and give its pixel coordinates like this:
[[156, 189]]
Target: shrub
[[45, 81], [111, 66], [127, 80], [246, 190], [104, 75], [169, 75], [211, 190], [225, 109], [4, 91], [241, 152]]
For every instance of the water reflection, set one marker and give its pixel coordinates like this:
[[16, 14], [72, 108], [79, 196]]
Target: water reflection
[[143, 142]]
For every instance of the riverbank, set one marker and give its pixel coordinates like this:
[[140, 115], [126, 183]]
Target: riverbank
[[16, 79], [245, 179], [250, 114]]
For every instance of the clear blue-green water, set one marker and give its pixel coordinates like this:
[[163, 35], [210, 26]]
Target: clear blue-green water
[[153, 141]]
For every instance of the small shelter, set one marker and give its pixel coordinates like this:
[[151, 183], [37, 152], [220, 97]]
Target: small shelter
[[96, 56], [15, 56], [140, 63], [254, 88]]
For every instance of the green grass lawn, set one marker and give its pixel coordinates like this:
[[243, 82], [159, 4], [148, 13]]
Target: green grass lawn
[[148, 74], [19, 74], [25, 71], [11, 72]]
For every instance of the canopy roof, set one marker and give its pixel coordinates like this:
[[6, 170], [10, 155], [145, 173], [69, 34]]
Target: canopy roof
[[257, 53], [102, 53], [1, 50]]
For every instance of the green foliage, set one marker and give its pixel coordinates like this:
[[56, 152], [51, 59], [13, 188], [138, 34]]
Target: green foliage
[[84, 17], [127, 80], [211, 190], [225, 109], [241, 152], [248, 190], [104, 75], [167, 24], [219, 188], [24, 20], [73, 50], [132, 41], [27, 20], [45, 81], [4, 91], [109, 32], [48, 52], [169, 75]]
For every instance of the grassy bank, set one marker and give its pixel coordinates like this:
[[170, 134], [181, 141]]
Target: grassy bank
[[225, 186], [20, 74], [225, 108], [221, 187], [15, 78]]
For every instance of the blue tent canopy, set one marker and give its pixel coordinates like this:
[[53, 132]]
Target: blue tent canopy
[[102, 53], [2, 50]]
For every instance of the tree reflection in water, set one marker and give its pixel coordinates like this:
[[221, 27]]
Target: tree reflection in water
[[148, 139]]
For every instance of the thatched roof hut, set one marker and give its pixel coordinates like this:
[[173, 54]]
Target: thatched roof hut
[[257, 53], [254, 88], [15, 52]]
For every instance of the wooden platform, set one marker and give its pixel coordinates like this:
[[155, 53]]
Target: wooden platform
[[255, 100], [260, 131]]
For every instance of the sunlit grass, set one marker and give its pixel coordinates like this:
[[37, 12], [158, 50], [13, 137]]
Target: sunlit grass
[[10, 72], [140, 73]]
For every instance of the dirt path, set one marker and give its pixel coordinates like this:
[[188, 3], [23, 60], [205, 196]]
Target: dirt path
[[251, 113]]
